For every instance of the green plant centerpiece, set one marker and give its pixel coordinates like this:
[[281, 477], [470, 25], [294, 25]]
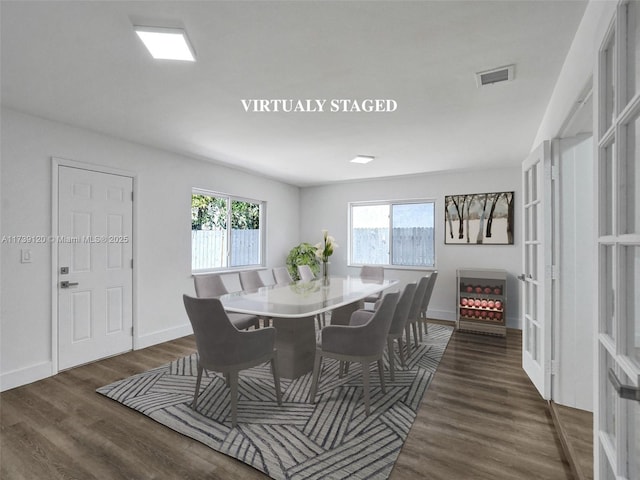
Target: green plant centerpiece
[[303, 254]]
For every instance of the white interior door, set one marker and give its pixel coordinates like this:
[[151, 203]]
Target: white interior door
[[536, 277], [617, 177], [95, 215]]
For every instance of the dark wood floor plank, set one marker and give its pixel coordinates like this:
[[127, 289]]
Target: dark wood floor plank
[[480, 419]]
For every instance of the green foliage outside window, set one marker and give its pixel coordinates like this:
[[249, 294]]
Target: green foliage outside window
[[210, 213]]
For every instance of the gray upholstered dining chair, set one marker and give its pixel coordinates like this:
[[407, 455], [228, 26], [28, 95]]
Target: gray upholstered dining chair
[[342, 315], [282, 276], [210, 285], [425, 302], [225, 349], [414, 313], [375, 274], [362, 341], [250, 280], [400, 316], [306, 275]]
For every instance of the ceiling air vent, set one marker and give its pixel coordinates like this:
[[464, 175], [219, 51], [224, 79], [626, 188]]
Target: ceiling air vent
[[497, 75]]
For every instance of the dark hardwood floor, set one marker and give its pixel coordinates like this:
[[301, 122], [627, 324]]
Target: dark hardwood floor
[[480, 419], [575, 429]]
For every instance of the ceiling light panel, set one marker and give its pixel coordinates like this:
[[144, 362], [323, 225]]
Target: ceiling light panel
[[166, 43], [362, 159]]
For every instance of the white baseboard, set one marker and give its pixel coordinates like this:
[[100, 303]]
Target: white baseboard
[[162, 336], [33, 373], [441, 315], [23, 376]]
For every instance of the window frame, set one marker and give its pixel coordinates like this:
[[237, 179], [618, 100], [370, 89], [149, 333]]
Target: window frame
[[390, 204], [230, 198]]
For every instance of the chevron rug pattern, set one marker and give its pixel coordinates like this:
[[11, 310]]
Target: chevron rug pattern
[[332, 439]]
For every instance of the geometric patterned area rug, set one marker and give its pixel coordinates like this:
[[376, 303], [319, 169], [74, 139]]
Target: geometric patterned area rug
[[331, 439]]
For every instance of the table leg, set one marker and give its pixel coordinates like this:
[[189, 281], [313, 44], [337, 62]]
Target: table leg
[[296, 345]]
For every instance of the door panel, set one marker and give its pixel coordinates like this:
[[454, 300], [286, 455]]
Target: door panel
[[617, 424], [95, 308], [536, 314]]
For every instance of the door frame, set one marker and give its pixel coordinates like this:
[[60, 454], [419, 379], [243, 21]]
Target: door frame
[[56, 163]]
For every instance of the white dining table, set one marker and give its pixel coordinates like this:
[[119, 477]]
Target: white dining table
[[293, 308]]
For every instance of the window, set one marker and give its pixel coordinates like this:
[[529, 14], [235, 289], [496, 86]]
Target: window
[[392, 233], [226, 232]]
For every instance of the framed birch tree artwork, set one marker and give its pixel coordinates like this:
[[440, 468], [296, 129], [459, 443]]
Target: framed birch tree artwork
[[479, 219]]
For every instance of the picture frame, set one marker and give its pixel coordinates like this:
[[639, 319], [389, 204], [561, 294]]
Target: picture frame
[[479, 218]]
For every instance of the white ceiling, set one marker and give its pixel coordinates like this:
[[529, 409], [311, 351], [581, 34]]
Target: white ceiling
[[81, 63]]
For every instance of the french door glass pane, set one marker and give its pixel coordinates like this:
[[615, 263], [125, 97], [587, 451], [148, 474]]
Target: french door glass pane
[[609, 472], [634, 439], [534, 221], [532, 345], [607, 190], [531, 260], [534, 182], [608, 413], [607, 300], [632, 178], [631, 261], [633, 49], [534, 301], [608, 84]]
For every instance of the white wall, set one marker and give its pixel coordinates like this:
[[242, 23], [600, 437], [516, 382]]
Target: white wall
[[162, 232], [577, 69], [327, 207]]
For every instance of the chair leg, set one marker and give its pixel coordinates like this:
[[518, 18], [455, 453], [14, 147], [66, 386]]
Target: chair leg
[[414, 326], [391, 360], [276, 377], [316, 377], [381, 373], [233, 385], [401, 351], [407, 330], [266, 321], [195, 395], [365, 386]]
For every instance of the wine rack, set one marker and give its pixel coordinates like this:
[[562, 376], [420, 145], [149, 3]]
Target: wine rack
[[482, 301]]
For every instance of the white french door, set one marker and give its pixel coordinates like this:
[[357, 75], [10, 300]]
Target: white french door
[[94, 277], [536, 277], [617, 175]]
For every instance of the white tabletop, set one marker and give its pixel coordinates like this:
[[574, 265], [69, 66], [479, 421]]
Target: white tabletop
[[303, 299]]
